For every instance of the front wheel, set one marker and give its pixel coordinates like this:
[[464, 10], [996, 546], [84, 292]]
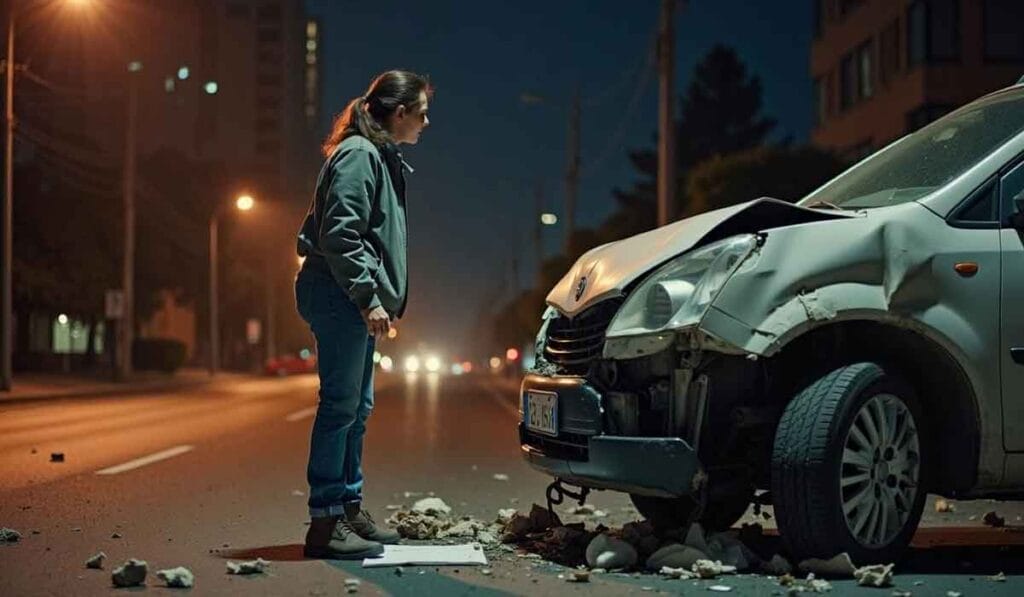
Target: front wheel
[[847, 466]]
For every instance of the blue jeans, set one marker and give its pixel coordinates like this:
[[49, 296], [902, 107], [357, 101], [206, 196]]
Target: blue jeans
[[345, 361]]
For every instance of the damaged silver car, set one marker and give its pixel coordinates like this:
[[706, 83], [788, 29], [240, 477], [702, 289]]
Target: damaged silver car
[[837, 359]]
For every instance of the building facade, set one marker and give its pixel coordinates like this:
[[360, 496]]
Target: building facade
[[884, 68]]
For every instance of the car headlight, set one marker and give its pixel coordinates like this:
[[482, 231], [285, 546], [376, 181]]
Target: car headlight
[[679, 293]]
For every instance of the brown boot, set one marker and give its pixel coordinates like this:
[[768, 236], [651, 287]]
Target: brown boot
[[363, 524], [331, 537]]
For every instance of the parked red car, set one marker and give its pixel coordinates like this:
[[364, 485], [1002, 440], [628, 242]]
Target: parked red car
[[290, 364]]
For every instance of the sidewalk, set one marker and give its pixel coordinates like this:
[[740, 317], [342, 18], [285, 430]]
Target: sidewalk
[[43, 386]]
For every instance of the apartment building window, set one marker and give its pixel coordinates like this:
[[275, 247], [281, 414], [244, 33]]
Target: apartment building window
[[933, 31], [865, 71], [889, 52], [847, 82], [1004, 35]]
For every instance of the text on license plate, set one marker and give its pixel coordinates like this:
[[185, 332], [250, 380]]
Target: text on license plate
[[541, 412]]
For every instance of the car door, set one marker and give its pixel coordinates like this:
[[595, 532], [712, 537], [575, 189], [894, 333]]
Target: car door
[[1011, 311]]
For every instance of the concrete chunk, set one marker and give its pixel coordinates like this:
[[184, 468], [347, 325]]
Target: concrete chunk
[[96, 562], [256, 566], [177, 578], [131, 574]]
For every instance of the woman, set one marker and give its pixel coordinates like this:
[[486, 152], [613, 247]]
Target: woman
[[352, 284]]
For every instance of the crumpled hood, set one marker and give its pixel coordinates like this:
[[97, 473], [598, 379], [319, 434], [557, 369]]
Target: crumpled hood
[[606, 270]]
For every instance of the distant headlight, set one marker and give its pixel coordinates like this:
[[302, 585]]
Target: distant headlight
[[679, 293]]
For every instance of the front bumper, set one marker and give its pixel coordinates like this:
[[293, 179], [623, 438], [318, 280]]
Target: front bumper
[[581, 454]]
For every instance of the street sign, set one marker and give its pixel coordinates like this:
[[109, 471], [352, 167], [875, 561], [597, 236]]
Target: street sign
[[252, 331], [114, 304]]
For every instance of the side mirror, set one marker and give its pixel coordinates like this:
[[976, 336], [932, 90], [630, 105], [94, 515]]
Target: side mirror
[[1017, 217]]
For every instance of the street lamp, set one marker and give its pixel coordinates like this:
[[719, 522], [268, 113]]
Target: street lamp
[[243, 202], [7, 212]]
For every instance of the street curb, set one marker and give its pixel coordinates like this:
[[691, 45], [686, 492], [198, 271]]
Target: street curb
[[107, 390]]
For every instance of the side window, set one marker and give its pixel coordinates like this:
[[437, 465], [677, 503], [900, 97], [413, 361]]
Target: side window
[[980, 210], [1012, 189]]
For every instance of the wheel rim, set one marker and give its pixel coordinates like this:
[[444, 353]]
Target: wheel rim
[[880, 471]]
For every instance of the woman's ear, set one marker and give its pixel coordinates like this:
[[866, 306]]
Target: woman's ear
[[401, 112]]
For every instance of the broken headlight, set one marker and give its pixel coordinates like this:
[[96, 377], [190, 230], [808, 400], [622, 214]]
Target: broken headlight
[[679, 293]]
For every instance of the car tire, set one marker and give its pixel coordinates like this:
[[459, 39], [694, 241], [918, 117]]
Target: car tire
[[847, 466], [674, 513]]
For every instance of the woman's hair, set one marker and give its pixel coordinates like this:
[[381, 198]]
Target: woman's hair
[[367, 114]]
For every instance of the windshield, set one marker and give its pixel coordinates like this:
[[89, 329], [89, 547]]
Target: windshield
[[929, 158]]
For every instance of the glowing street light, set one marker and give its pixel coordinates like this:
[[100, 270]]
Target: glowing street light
[[548, 219], [392, 333], [183, 73], [412, 363], [245, 202], [433, 364], [511, 354], [211, 87], [386, 364], [495, 362]]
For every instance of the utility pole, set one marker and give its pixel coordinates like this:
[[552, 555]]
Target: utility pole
[[538, 238], [127, 331], [572, 171], [6, 277], [666, 120]]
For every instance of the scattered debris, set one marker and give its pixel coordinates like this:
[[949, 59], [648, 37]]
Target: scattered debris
[[485, 571], [676, 573], [412, 494], [584, 510], [506, 514], [838, 566], [297, 493], [500, 477], [1000, 577], [954, 594], [9, 535], [720, 588], [608, 552], [116, 535], [972, 518], [943, 506], [76, 529], [96, 562], [177, 578], [898, 593], [675, 555], [352, 585], [257, 566], [57, 457], [994, 520], [431, 506], [707, 569], [393, 507], [578, 576], [808, 585], [878, 575], [131, 574]]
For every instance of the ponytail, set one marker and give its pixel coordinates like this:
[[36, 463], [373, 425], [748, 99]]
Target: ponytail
[[366, 115]]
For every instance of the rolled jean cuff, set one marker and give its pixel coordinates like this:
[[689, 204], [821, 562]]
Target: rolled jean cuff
[[334, 510]]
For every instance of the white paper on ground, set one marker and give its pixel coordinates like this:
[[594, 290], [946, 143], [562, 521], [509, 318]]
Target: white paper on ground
[[429, 555]]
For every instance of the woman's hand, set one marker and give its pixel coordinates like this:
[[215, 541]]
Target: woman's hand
[[377, 322]]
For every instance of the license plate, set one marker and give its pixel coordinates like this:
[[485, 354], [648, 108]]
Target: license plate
[[541, 412]]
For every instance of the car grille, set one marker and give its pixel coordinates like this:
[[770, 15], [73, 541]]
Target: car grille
[[573, 344]]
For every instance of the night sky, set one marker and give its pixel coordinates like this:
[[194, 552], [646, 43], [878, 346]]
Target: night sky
[[471, 198]]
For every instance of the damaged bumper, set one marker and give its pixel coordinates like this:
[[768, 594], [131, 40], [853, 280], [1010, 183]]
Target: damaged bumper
[[581, 453]]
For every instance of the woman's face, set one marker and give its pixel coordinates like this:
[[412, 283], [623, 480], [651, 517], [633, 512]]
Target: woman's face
[[407, 124]]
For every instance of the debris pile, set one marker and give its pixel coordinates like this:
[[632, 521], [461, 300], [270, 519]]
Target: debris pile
[[994, 520], [9, 535], [807, 585], [256, 566], [131, 574], [177, 578], [96, 561], [878, 575], [430, 518], [943, 506]]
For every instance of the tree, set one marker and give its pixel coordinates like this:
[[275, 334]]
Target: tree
[[780, 172]]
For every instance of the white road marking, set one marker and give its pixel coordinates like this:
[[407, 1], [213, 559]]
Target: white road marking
[[133, 464], [301, 414]]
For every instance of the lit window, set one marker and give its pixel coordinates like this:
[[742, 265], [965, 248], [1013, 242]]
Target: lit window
[[210, 87], [183, 73]]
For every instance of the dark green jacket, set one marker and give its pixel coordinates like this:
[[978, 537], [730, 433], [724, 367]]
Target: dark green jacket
[[356, 225]]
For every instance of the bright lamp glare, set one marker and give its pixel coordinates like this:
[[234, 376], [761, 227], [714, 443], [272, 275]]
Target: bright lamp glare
[[245, 202], [376, 357], [433, 364], [495, 362], [183, 73], [62, 319], [386, 364], [548, 219], [412, 364], [210, 87]]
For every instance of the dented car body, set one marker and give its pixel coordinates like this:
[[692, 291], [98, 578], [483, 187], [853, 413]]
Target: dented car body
[[865, 345]]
